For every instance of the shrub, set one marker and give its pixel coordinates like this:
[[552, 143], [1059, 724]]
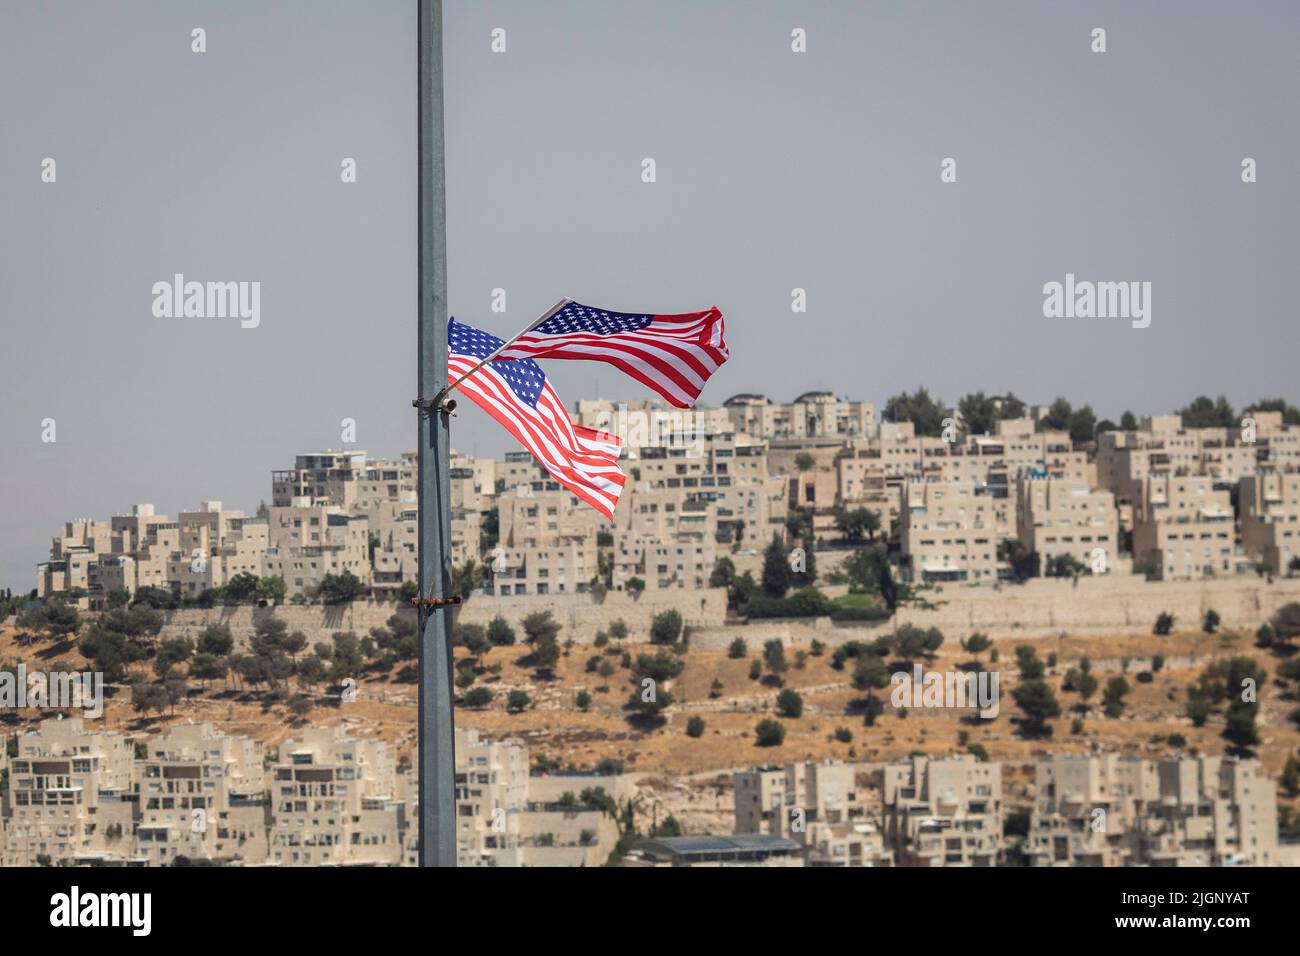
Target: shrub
[[789, 704], [843, 735], [666, 628], [869, 614], [1164, 623], [517, 701], [737, 649], [806, 602], [769, 733], [695, 727], [499, 632], [476, 698]]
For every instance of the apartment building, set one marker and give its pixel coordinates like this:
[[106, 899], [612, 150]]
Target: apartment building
[[72, 557], [201, 795], [556, 828], [1112, 810], [321, 478], [491, 797], [92, 558], [70, 796], [1211, 811], [817, 414], [334, 802], [949, 531], [216, 545], [1066, 518], [504, 817], [817, 805], [1269, 504], [1087, 808], [943, 812], [308, 542], [645, 423], [1161, 448], [1183, 527]]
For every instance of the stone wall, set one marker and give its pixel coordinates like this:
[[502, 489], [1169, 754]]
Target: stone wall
[[1121, 604], [580, 615], [1044, 607]]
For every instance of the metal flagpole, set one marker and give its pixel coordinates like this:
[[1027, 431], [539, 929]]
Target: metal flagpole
[[442, 395], [436, 738]]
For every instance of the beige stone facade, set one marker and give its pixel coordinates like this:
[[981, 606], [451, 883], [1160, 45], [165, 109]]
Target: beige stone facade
[[943, 812], [1059, 517], [1108, 810], [1270, 518], [1183, 527], [818, 806]]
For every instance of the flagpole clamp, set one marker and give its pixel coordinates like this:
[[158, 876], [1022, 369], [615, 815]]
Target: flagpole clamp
[[435, 601], [439, 402]]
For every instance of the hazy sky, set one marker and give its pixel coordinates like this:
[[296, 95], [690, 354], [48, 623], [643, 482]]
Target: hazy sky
[[775, 170]]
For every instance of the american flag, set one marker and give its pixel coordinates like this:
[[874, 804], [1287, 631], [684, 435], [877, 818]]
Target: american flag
[[672, 354], [518, 396]]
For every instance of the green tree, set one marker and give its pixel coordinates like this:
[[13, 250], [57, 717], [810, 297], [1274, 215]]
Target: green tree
[[979, 414], [1057, 418], [1290, 414], [776, 569], [1038, 703], [340, 588], [1210, 623], [1285, 624], [1011, 407], [1083, 425], [272, 589], [474, 638], [499, 632], [1117, 689], [1031, 668], [695, 727], [1204, 413], [1164, 623], [857, 523], [476, 698], [540, 625], [666, 627], [724, 572], [976, 644], [206, 667], [789, 704], [216, 640], [774, 657], [925, 413], [176, 650], [769, 733]]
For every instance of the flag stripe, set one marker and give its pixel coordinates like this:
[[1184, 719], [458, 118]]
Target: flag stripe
[[583, 460], [673, 354]]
